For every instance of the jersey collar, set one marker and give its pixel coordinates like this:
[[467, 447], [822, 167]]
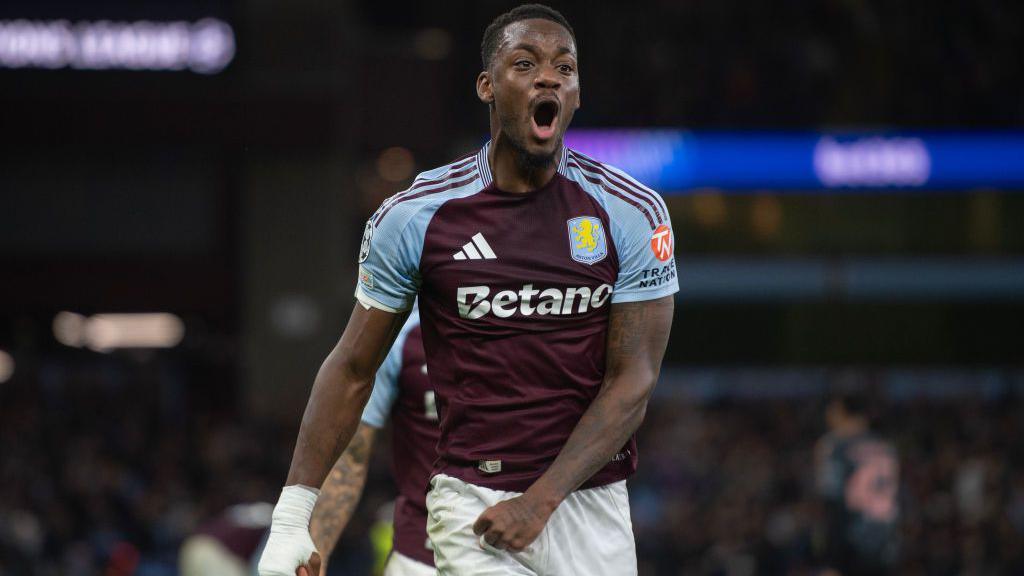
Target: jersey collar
[[485, 168]]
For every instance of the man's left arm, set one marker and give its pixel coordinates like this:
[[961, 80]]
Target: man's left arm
[[637, 335]]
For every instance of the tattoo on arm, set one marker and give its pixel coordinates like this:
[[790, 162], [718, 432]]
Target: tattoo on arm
[[340, 493], [634, 331]]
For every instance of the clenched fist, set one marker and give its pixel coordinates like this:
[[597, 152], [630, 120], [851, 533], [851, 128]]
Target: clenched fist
[[512, 524]]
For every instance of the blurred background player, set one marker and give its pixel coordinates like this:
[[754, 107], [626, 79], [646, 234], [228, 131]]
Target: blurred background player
[[401, 391], [858, 480], [227, 544]]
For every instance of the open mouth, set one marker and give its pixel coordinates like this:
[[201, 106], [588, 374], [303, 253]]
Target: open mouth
[[544, 115]]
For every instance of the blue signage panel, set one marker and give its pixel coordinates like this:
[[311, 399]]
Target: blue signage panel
[[681, 161]]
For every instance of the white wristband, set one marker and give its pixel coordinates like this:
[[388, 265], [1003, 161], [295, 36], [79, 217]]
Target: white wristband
[[295, 507]]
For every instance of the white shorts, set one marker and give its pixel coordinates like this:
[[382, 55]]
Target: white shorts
[[588, 535], [400, 565]]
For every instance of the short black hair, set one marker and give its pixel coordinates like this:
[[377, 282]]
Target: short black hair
[[489, 45]]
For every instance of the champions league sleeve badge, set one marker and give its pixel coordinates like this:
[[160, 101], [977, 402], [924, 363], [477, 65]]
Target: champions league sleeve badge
[[587, 241], [364, 247]]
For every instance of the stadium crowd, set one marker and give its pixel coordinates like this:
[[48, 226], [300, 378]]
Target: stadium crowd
[[735, 492], [107, 470]]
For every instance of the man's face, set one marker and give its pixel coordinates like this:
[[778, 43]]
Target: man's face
[[534, 85]]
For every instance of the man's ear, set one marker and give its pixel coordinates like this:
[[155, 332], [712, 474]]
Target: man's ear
[[484, 90]]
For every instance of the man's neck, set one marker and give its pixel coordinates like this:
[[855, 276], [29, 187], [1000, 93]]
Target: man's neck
[[508, 170]]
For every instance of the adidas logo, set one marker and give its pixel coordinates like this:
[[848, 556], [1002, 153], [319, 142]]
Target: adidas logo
[[476, 249]]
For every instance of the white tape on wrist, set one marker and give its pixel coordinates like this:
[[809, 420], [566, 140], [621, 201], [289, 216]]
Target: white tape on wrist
[[289, 544], [295, 507]]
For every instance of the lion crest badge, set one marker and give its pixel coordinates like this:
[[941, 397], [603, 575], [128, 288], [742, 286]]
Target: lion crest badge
[[588, 242]]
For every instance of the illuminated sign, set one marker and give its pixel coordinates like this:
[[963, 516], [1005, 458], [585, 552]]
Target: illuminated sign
[[205, 47], [676, 161], [872, 161]]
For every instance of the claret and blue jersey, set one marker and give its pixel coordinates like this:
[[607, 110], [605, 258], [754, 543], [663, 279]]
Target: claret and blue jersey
[[514, 293]]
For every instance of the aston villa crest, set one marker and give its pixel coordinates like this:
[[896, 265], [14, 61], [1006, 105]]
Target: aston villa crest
[[587, 239]]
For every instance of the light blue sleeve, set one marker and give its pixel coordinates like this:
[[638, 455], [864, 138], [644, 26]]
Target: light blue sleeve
[[389, 256], [385, 385], [647, 266]]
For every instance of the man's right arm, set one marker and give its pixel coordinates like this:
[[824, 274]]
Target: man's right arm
[[340, 392], [340, 493]]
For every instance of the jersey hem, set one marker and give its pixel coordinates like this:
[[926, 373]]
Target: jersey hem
[[521, 484]]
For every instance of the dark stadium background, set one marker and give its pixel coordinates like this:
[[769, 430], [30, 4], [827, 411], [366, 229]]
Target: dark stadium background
[[235, 201]]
